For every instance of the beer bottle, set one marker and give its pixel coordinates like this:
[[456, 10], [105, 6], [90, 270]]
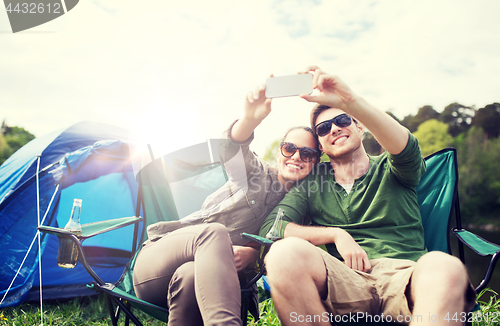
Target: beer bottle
[[67, 255], [274, 232]]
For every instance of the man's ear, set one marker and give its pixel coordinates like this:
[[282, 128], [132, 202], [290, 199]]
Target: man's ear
[[361, 128], [320, 147]]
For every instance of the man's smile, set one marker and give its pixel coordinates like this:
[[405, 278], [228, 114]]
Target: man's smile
[[340, 140]]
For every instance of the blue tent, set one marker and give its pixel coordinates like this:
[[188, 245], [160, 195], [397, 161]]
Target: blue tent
[[90, 161]]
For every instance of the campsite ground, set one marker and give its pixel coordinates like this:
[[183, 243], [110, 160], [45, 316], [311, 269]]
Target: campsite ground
[[93, 311], [80, 311]]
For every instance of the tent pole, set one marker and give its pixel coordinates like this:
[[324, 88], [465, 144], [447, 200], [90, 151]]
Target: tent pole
[[38, 233]]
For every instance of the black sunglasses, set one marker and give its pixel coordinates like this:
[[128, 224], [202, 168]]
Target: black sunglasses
[[324, 128], [307, 154]]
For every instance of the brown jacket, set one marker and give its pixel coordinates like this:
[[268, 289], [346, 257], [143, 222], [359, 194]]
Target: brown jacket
[[243, 203]]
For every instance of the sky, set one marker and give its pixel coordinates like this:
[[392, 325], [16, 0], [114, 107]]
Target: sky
[[176, 72]]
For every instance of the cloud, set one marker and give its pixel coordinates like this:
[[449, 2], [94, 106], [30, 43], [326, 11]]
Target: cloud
[[192, 62]]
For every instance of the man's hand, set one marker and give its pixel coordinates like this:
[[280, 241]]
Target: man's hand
[[244, 256], [331, 90], [354, 256]]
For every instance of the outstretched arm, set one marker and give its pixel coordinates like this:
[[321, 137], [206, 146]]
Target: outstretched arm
[[332, 91], [257, 107]]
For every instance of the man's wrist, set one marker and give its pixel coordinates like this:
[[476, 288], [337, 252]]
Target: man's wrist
[[336, 233], [355, 103]]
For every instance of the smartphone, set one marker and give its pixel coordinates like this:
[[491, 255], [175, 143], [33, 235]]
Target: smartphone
[[293, 85]]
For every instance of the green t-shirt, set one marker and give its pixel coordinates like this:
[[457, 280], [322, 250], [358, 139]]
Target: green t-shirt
[[380, 212]]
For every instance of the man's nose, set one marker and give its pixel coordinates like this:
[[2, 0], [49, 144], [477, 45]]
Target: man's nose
[[335, 129]]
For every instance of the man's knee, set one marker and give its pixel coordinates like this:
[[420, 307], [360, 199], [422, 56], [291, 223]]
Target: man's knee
[[444, 276], [288, 251], [447, 269], [295, 258], [294, 263]]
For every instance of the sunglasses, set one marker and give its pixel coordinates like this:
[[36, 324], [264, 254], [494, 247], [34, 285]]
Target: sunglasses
[[324, 128], [307, 154]]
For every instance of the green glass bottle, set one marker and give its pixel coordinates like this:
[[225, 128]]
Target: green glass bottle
[[67, 255]]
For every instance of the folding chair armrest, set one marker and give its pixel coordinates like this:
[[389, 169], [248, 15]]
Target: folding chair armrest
[[260, 240], [90, 230], [62, 233], [95, 228], [481, 247], [265, 245]]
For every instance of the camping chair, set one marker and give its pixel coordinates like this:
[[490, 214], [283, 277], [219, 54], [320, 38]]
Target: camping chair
[[438, 199], [192, 183]]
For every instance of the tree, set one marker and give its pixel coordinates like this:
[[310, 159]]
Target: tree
[[488, 118], [479, 176], [458, 117], [371, 145], [270, 155], [3, 148], [11, 139], [407, 121], [425, 113], [432, 136]]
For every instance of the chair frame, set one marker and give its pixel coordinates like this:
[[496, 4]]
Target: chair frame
[[455, 209], [117, 304]]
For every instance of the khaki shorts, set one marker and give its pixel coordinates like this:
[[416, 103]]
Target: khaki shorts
[[381, 291]]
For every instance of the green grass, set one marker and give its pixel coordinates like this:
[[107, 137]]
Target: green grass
[[267, 315], [490, 310], [80, 311], [93, 311]]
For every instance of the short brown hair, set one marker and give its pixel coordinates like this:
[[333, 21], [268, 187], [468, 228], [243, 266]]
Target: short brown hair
[[316, 111]]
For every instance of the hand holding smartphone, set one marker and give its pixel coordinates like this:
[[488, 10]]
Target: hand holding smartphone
[[292, 85]]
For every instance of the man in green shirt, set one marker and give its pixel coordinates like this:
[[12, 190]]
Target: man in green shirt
[[364, 210]]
